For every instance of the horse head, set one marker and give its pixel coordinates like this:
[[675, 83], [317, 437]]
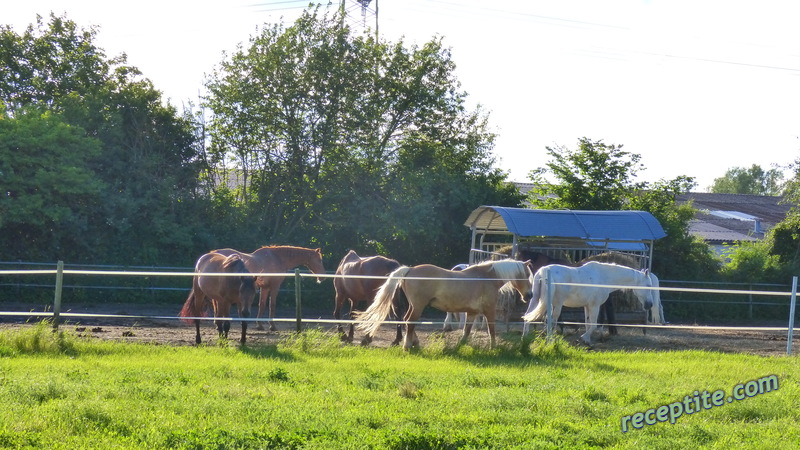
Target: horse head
[[645, 296], [522, 281], [314, 264]]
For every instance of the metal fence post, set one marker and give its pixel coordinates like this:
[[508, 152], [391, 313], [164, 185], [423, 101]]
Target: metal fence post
[[297, 299], [790, 335], [549, 317], [57, 297]]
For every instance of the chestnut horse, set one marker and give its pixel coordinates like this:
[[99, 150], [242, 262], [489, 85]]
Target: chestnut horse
[[224, 291], [473, 290], [276, 259], [354, 286]]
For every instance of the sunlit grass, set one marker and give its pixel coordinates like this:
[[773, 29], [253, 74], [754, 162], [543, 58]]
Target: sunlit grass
[[311, 391]]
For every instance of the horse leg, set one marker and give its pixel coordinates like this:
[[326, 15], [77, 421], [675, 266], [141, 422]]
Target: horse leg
[[337, 314], [399, 336], [244, 314], [447, 319], [197, 328], [591, 313], [273, 300], [352, 331], [411, 335], [262, 305], [490, 324], [608, 310], [468, 323]]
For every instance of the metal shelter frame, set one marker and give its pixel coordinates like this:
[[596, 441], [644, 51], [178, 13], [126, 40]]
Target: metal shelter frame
[[578, 234]]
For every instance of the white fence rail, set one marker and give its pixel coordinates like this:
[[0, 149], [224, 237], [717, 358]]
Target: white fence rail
[[59, 272]]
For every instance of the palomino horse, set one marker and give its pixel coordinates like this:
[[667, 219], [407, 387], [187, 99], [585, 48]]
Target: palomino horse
[[473, 290], [224, 291], [350, 287], [276, 259], [588, 297]]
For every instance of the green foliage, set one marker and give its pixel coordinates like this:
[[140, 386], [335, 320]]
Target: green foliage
[[352, 143], [125, 164], [599, 176], [596, 176], [740, 180], [49, 191], [755, 262]]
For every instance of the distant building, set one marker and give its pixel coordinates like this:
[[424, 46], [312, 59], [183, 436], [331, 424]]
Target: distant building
[[723, 220]]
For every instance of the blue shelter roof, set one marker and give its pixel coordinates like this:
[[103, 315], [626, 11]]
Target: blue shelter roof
[[588, 225]]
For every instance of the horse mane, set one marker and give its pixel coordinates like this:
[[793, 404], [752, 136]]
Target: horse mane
[[618, 258], [290, 249], [234, 262], [506, 269]]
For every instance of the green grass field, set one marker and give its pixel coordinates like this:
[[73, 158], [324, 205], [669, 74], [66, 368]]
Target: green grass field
[[310, 391]]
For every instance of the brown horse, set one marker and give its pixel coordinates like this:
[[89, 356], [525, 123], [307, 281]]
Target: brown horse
[[224, 291], [350, 287], [473, 290], [276, 259]]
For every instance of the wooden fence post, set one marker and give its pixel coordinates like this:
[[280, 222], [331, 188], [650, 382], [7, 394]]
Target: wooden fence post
[[57, 298]]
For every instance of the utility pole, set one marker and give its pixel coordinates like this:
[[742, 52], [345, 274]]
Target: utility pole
[[358, 13]]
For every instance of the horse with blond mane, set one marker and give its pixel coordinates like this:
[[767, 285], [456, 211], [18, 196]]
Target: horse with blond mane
[[473, 290]]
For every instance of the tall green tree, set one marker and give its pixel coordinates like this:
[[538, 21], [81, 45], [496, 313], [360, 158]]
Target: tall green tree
[[148, 155], [595, 176], [343, 140], [47, 191], [753, 180], [599, 176]]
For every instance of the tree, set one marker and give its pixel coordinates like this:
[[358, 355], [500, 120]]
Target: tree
[[346, 141], [598, 176], [147, 156], [755, 181], [47, 191]]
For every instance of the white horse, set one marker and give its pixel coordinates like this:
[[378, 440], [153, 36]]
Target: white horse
[[601, 275], [657, 310]]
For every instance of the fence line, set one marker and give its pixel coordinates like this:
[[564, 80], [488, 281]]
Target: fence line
[[60, 272]]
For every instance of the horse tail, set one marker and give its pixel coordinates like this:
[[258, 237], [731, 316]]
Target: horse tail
[[381, 307], [192, 308], [540, 311]]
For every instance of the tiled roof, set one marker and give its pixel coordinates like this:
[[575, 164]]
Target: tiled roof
[[715, 220]]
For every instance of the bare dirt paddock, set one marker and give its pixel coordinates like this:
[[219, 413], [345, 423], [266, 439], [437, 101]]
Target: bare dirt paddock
[[160, 327]]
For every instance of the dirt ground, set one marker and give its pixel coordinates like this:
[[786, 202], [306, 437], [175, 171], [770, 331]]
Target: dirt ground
[[158, 324]]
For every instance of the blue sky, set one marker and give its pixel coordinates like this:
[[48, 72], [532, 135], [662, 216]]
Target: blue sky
[[695, 87]]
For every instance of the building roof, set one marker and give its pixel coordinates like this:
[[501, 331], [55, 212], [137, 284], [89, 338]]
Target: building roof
[[587, 225], [734, 217]]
